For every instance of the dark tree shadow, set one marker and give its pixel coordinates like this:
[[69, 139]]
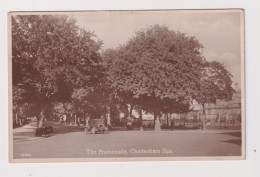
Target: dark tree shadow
[[235, 134], [234, 141], [67, 129]]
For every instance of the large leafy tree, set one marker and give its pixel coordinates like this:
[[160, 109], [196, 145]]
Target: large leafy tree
[[215, 84], [51, 57], [156, 69]]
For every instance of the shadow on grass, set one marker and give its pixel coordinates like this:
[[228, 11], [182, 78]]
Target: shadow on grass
[[67, 129], [150, 129], [235, 134], [234, 141], [73, 129]]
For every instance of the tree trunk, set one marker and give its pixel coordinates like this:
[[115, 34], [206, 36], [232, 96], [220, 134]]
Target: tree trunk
[[141, 117], [20, 122], [112, 114], [66, 121], [16, 120], [184, 119], [42, 116], [86, 120], [157, 124], [167, 119], [131, 110], [203, 118], [108, 116], [78, 121], [219, 121], [154, 118]]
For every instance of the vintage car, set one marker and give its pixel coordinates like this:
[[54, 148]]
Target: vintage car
[[96, 126]]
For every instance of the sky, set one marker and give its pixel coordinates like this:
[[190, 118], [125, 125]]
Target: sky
[[218, 31]]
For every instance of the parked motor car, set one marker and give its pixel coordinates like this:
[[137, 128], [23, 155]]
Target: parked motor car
[[96, 126]]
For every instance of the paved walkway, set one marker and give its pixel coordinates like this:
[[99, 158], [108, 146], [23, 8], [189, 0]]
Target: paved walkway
[[74, 143], [25, 133]]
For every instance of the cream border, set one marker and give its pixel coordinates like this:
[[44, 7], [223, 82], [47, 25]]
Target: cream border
[[10, 112]]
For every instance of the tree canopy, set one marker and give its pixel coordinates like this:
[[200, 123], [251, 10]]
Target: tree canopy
[[215, 83], [157, 65], [57, 64], [51, 56]]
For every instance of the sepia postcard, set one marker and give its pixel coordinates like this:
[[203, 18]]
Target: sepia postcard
[[153, 85]]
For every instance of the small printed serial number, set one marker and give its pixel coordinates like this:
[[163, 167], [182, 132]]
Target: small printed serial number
[[26, 155]]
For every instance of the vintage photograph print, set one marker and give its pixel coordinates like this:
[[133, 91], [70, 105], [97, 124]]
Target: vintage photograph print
[[126, 85]]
